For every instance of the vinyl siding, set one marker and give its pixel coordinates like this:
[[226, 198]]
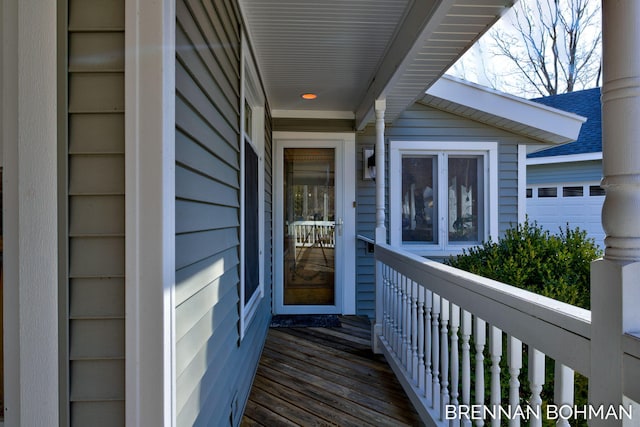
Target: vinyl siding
[[95, 204], [214, 368], [558, 173], [422, 123]]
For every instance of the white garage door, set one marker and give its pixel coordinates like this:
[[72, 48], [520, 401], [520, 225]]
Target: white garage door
[[580, 205]]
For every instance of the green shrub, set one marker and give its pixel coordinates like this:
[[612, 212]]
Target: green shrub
[[528, 257], [531, 258]]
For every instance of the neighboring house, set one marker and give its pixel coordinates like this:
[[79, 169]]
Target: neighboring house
[[563, 183], [167, 189]]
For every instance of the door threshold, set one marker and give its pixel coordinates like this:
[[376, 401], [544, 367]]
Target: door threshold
[[305, 321]]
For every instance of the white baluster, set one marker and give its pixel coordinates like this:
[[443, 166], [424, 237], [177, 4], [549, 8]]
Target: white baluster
[[514, 360], [444, 355], [466, 365], [390, 300], [414, 332], [495, 349], [421, 332], [428, 345], [563, 391], [406, 310], [435, 351], [387, 303], [536, 380], [396, 315], [480, 338], [455, 359]]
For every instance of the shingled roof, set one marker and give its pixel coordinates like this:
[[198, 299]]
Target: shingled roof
[[585, 103]]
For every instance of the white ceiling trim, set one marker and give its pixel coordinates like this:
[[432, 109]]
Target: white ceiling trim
[[312, 114]]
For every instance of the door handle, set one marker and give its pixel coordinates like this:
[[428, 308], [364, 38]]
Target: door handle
[[339, 224]]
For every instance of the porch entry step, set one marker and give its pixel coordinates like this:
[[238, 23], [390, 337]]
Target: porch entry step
[[305, 321]]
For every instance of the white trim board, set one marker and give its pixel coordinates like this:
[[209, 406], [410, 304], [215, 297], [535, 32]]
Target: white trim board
[[346, 301], [150, 213], [569, 158], [522, 183], [29, 144], [312, 114]]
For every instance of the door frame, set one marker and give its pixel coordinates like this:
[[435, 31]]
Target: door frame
[[344, 144]]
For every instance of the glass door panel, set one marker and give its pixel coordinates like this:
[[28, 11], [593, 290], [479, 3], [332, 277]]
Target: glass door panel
[[309, 226]]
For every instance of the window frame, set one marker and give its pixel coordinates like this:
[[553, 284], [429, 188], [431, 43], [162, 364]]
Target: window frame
[[442, 150], [251, 95]]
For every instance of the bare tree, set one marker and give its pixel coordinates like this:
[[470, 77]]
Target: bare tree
[[553, 45]]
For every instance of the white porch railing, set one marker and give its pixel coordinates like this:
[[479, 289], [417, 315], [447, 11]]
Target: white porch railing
[[440, 323], [313, 233]]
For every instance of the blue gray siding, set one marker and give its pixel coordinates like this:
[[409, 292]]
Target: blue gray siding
[[214, 368], [93, 289], [559, 173], [422, 123]]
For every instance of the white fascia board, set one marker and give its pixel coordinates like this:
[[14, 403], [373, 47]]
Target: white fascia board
[[312, 114], [565, 159], [532, 114]]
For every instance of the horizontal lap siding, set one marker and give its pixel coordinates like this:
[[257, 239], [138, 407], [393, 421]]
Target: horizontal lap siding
[[422, 123], [96, 212], [212, 365], [559, 173]]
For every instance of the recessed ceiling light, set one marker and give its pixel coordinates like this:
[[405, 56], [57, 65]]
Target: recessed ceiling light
[[309, 96]]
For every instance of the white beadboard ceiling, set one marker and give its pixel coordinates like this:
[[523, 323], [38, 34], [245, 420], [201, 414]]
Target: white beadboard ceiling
[[351, 52]]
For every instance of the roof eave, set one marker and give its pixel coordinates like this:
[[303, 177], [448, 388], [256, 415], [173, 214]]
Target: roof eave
[[533, 120]]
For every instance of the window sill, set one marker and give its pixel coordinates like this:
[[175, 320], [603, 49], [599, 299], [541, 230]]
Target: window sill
[[437, 253]]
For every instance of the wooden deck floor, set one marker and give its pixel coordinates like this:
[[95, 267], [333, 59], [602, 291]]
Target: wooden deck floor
[[326, 376]]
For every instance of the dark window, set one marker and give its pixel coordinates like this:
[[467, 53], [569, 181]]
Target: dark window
[[596, 190], [529, 193], [572, 191], [548, 192], [251, 226]]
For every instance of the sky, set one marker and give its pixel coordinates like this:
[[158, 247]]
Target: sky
[[483, 65]]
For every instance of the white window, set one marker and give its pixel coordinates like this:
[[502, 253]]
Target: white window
[[252, 192], [443, 195]]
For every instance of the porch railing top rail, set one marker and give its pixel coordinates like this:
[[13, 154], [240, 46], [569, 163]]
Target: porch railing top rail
[[560, 330]]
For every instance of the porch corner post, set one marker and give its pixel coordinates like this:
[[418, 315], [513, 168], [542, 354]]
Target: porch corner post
[[615, 290], [381, 230]]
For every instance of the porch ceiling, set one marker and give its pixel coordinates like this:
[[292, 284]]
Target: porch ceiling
[[351, 52]]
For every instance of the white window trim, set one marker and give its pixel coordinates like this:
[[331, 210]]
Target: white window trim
[[251, 92], [487, 149]]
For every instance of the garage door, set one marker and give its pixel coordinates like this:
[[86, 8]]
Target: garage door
[[580, 205]]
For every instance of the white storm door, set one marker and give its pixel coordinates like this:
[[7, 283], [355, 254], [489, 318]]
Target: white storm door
[[312, 225]]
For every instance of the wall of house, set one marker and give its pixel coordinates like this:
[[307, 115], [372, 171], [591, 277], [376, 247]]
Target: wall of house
[[558, 173], [214, 368], [422, 123], [94, 144]]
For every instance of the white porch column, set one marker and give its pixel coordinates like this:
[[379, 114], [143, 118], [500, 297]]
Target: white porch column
[[381, 230], [615, 289]]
